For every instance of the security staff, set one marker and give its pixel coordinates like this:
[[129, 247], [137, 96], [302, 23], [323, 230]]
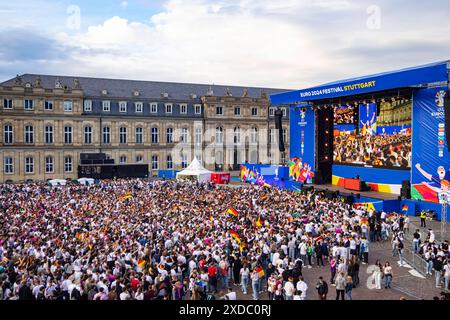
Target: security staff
[[423, 216]]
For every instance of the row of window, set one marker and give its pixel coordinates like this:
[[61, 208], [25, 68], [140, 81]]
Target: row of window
[[8, 165], [139, 107], [28, 104], [139, 134], [49, 166]]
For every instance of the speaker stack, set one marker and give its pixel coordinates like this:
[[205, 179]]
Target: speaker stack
[[279, 126], [406, 190]]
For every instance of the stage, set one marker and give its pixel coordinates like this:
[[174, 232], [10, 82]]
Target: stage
[[365, 194]]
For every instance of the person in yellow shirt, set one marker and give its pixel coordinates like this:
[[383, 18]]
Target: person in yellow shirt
[[423, 217]]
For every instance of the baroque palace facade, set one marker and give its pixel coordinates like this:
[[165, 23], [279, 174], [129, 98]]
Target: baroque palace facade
[[48, 121]]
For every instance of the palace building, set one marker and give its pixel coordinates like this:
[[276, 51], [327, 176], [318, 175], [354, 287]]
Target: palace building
[[47, 122]]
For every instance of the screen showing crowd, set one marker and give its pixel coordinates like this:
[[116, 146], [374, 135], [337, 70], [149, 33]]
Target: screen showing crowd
[[344, 115], [381, 136]]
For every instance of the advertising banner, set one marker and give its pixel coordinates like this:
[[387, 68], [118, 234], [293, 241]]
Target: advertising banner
[[431, 159], [302, 145]]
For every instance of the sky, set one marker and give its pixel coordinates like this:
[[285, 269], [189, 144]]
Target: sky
[[288, 44]]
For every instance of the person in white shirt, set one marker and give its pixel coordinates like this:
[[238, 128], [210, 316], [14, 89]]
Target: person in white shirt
[[447, 274], [289, 289], [301, 288], [231, 295]]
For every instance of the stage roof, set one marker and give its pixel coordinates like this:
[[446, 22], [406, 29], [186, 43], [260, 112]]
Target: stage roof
[[405, 78]]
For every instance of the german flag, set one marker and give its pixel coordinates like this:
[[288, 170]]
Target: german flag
[[232, 212], [127, 196], [141, 264], [364, 221], [235, 236], [405, 207], [260, 271]]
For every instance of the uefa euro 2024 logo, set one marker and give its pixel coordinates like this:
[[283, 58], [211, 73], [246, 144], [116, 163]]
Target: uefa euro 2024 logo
[[440, 95], [302, 115]]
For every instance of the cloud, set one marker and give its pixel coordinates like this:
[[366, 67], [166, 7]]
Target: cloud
[[288, 44], [124, 4]]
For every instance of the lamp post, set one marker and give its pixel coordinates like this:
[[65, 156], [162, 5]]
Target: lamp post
[[444, 199]]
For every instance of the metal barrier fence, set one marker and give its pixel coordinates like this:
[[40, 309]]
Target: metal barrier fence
[[413, 259]]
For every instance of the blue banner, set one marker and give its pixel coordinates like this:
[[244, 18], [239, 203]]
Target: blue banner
[[432, 73], [302, 145], [431, 159]]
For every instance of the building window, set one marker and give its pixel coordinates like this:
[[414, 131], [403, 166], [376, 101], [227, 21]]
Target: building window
[[284, 135], [184, 135], [219, 135], [106, 106], [198, 136], [68, 135], [8, 165], [254, 135], [139, 106], [272, 136], [122, 106], [184, 161], [8, 134], [271, 112], [123, 135], [154, 162], [168, 108], [219, 110], [7, 104], [198, 109], [87, 105], [254, 111], [154, 108], [29, 134], [237, 111], [28, 104], [48, 105], [169, 162], [169, 135], [68, 164], [139, 159], [106, 135], [29, 165], [49, 167], [48, 134], [123, 159], [139, 135], [284, 110], [87, 135], [68, 105], [154, 135], [237, 135], [183, 108]]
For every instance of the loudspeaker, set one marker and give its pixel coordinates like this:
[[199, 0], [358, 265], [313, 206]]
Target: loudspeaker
[[279, 126], [406, 184], [278, 119], [318, 178], [447, 118]]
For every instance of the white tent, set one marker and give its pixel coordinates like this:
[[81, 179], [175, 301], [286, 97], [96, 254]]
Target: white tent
[[195, 171], [56, 182], [86, 181]]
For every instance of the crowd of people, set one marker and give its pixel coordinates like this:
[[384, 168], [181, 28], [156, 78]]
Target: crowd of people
[[167, 240], [393, 151], [344, 115]]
